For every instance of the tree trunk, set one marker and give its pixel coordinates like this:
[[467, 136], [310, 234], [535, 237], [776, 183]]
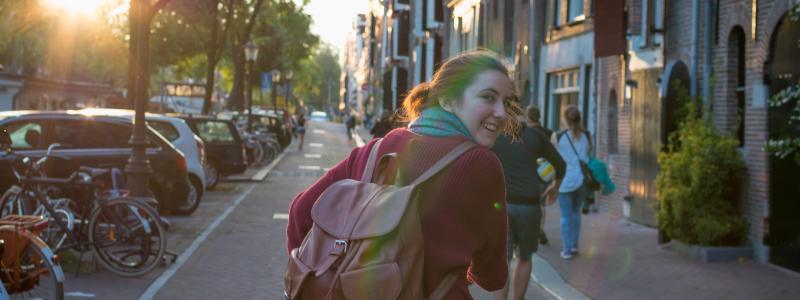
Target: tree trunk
[[237, 92], [212, 57]]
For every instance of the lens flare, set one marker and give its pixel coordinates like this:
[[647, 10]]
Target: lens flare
[[82, 7]]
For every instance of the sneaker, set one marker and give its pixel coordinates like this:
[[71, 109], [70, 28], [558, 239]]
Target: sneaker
[[573, 251], [566, 255]]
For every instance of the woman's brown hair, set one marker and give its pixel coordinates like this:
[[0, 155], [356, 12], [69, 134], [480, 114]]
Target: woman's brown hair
[[450, 81], [572, 116]]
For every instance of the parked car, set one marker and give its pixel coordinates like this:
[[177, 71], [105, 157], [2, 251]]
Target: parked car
[[226, 153], [177, 132], [268, 121], [319, 116], [95, 141]]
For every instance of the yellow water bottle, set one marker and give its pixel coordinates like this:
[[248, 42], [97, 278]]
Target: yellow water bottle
[[545, 170]]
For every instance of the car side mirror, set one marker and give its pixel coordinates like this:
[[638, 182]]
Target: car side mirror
[[5, 140]]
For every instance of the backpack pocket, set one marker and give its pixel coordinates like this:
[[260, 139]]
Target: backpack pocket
[[373, 282], [296, 274]]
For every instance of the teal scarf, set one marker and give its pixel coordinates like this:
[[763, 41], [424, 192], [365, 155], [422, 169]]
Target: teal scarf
[[435, 121]]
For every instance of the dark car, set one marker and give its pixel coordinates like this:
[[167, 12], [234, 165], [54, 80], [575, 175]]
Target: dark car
[[226, 153], [94, 141]]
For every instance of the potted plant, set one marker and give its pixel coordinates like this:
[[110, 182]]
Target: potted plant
[[698, 189]]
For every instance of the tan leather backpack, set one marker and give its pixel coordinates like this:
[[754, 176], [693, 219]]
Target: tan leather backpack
[[366, 241]]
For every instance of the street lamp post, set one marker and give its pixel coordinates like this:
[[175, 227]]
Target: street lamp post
[[288, 85], [250, 54], [138, 167], [276, 77]]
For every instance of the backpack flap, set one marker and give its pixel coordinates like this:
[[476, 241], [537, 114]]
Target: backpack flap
[[354, 210]]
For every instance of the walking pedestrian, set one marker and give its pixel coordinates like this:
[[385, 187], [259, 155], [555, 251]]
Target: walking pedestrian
[[525, 194], [534, 121], [351, 125], [301, 128], [461, 209], [574, 146], [382, 126]]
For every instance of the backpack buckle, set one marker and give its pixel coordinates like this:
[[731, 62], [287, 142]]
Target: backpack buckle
[[340, 247]]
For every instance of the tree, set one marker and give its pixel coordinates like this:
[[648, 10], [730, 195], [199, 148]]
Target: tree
[[318, 78], [242, 22]]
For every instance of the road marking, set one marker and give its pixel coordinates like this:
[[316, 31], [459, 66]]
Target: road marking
[[326, 169], [315, 145], [184, 257], [280, 216], [319, 131], [313, 155], [263, 173], [79, 295], [315, 168], [357, 138]]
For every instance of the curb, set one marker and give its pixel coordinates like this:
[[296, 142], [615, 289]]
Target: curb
[[551, 281]]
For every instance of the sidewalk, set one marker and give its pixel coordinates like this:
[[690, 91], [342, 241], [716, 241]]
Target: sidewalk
[[622, 260]]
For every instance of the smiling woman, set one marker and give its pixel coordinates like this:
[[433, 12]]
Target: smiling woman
[[75, 7]]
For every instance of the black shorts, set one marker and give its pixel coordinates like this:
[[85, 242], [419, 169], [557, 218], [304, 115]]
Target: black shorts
[[523, 229], [301, 130]]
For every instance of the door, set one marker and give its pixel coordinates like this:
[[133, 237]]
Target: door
[[783, 70]]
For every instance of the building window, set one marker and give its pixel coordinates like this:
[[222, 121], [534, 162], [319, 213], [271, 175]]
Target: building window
[[612, 125], [564, 89], [736, 71], [575, 11]]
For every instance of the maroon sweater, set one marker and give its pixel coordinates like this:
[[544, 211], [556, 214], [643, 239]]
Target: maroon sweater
[[462, 208]]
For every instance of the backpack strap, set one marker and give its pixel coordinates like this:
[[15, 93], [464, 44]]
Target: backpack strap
[[444, 161], [444, 286], [373, 156]]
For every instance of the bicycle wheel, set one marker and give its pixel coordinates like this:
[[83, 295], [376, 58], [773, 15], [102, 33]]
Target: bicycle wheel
[[15, 202], [39, 277], [127, 237]]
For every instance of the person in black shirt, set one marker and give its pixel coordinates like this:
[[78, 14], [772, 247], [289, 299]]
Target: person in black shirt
[[524, 192], [533, 121]]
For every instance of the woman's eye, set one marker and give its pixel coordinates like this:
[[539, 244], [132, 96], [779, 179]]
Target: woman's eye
[[488, 98]]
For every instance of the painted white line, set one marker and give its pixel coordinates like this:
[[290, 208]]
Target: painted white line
[[326, 169], [263, 173], [357, 138], [79, 295], [315, 145], [319, 131], [280, 216], [309, 168], [183, 257], [546, 276], [313, 155]]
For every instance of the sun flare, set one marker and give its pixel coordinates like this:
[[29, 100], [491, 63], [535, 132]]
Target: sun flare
[[75, 7]]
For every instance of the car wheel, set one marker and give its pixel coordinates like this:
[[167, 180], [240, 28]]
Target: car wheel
[[192, 199], [212, 175]]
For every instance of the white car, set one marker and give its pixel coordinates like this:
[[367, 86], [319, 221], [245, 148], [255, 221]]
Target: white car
[[177, 132], [319, 116]]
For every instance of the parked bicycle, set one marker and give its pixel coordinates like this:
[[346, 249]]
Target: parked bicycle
[[28, 268], [124, 233]]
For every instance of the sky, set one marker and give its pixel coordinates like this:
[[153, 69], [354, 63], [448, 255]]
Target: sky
[[333, 19]]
